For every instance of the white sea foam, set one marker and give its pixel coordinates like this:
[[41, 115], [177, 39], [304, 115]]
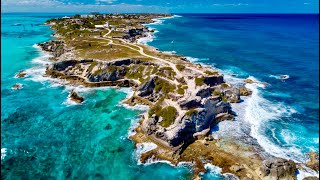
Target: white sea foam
[[288, 136], [19, 86], [180, 164], [134, 123], [170, 52], [36, 73], [3, 153], [192, 59], [154, 161], [150, 36], [136, 107], [253, 114], [306, 172], [274, 135], [146, 147], [258, 111], [144, 40], [143, 148], [214, 170], [283, 77], [69, 102]]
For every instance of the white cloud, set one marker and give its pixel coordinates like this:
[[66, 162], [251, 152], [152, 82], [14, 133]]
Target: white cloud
[[105, 1], [306, 3], [232, 4], [56, 6], [31, 2]]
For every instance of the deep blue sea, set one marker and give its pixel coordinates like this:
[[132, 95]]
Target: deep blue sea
[[44, 136]]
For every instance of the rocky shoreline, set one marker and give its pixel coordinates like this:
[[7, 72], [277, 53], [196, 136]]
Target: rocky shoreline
[[185, 102]]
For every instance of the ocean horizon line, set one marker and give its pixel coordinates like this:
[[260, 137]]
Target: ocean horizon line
[[262, 13]]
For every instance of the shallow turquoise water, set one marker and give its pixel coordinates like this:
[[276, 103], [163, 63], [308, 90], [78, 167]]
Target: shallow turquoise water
[[44, 137]]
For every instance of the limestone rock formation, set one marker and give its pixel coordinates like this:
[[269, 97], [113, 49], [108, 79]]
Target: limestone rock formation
[[188, 127], [310, 178], [75, 97], [313, 162], [205, 92], [244, 91], [148, 87], [278, 168], [21, 74], [232, 95], [17, 86], [213, 80], [190, 103], [54, 46]]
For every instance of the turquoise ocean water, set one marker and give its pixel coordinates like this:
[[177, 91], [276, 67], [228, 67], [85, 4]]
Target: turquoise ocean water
[[43, 135]]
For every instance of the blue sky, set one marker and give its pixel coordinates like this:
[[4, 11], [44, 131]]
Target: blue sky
[[161, 6]]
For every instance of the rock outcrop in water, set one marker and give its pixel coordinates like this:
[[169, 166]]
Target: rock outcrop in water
[[75, 97], [56, 47], [313, 161], [278, 169], [21, 74]]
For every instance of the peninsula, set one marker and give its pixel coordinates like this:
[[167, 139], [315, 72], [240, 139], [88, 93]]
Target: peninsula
[[185, 100]]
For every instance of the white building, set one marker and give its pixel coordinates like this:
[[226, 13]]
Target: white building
[[84, 16], [65, 17], [106, 25], [99, 26]]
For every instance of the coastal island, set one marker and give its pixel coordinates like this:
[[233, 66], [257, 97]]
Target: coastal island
[[185, 100]]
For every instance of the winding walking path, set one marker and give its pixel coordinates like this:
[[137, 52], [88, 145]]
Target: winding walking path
[[190, 82]]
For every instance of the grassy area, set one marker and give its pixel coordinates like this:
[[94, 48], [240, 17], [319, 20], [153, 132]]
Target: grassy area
[[168, 115], [225, 86], [191, 112], [180, 67], [164, 86], [97, 49], [216, 93], [211, 72], [116, 34], [199, 81], [92, 65], [135, 72], [166, 72], [181, 89]]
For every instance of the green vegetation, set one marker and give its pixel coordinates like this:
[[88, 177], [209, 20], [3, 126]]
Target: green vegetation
[[154, 70], [216, 93], [142, 80], [181, 89], [224, 86], [112, 68], [93, 64], [180, 67], [199, 81], [135, 72], [168, 115], [156, 108], [211, 73], [99, 71], [224, 99], [166, 72], [164, 86], [191, 112]]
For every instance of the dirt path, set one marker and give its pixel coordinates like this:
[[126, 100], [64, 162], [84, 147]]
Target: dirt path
[[190, 82]]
